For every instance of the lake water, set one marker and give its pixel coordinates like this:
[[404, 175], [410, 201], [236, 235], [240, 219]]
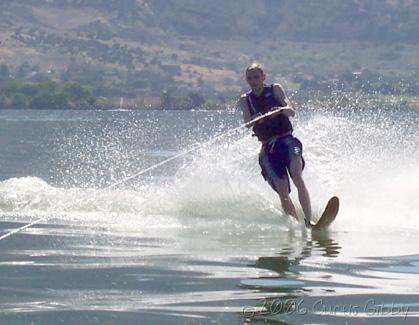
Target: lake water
[[202, 239]]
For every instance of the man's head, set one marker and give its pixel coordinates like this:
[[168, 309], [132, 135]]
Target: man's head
[[255, 76]]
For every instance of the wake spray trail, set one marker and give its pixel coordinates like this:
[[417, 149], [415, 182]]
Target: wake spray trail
[[143, 171], [368, 158]]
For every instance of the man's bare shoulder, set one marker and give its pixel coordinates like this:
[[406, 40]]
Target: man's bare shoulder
[[279, 91], [278, 86]]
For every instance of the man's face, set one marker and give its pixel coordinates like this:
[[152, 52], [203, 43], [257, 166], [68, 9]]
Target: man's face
[[255, 79]]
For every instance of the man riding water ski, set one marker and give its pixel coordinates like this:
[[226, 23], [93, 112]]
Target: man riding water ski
[[281, 152]]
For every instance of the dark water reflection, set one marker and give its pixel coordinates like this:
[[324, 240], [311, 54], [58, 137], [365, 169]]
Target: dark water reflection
[[59, 273]]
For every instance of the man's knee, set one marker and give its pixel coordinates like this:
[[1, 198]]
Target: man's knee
[[283, 190]]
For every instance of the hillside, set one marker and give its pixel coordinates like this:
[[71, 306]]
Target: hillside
[[137, 47]]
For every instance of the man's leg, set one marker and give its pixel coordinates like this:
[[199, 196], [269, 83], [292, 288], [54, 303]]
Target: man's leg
[[276, 174], [296, 168], [287, 205]]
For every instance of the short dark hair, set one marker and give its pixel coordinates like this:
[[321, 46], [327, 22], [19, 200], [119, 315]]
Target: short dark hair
[[255, 66]]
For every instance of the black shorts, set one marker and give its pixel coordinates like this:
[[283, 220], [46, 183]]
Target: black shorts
[[275, 159]]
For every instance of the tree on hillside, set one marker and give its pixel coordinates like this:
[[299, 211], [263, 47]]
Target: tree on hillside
[[4, 73], [195, 100], [50, 101]]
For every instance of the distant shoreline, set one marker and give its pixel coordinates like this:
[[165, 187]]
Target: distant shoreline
[[330, 101]]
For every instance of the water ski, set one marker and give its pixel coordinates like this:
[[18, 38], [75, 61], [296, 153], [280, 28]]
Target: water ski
[[329, 214]]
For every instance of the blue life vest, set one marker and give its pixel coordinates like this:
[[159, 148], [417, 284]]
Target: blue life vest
[[272, 126]]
